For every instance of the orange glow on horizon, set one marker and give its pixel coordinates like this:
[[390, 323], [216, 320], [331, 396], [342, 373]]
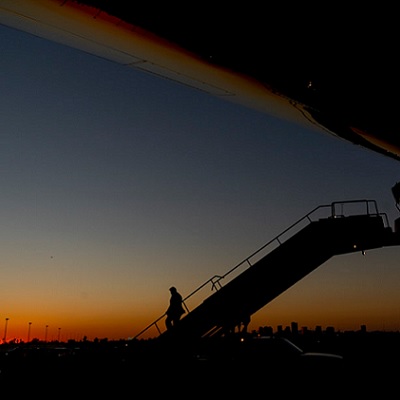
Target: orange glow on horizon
[[18, 329]]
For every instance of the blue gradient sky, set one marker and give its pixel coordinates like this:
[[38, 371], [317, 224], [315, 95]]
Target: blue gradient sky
[[117, 184]]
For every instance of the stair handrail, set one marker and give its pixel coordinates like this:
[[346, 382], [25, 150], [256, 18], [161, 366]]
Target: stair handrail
[[216, 279]]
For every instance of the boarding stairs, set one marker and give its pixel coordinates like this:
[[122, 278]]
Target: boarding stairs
[[345, 227]]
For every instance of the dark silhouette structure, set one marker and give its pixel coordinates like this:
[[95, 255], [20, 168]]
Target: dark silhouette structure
[[281, 268], [317, 85]]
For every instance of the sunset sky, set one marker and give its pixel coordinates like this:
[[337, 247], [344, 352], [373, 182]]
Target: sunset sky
[[117, 185]]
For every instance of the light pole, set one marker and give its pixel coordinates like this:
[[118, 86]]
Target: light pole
[[59, 329], [5, 331], [45, 334], [29, 331]]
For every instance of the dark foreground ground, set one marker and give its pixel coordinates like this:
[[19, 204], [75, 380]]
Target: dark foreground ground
[[370, 365]]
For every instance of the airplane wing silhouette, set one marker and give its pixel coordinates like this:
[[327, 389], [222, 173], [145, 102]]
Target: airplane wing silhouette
[[331, 69]]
